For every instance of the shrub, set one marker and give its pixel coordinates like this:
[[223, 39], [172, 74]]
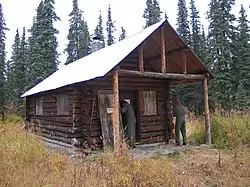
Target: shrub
[[230, 132]]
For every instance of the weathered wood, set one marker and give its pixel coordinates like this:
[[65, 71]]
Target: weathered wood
[[170, 76], [163, 52], [152, 134], [184, 60], [155, 128], [141, 58], [105, 102], [153, 140], [116, 116], [149, 100], [207, 117]]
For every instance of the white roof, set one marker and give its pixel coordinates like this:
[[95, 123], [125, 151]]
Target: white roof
[[94, 65]]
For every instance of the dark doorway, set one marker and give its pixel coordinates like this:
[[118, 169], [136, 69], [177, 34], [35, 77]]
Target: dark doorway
[[131, 97]]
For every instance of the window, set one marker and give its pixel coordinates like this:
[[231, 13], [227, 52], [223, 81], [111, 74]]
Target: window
[[149, 103], [39, 106], [62, 104]]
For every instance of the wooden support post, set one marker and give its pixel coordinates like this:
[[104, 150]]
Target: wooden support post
[[116, 116], [163, 52], [207, 117], [184, 59], [141, 59]]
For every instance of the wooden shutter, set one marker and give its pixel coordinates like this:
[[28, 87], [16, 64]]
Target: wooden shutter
[[39, 105], [149, 103], [62, 104]]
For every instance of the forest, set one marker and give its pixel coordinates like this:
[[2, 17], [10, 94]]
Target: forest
[[224, 49]]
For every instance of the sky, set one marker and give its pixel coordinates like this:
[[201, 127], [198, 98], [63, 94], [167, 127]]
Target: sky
[[126, 13]]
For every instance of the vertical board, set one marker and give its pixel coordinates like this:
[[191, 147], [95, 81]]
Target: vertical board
[[105, 104]]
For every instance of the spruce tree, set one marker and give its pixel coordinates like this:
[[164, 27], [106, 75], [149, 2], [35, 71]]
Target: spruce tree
[[220, 34], [50, 43], [2, 62], [11, 83], [78, 37], [123, 34], [99, 30], [43, 56], [241, 66], [22, 66], [152, 12], [110, 27], [195, 30], [182, 21]]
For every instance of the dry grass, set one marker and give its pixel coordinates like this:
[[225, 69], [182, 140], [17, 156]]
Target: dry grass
[[24, 161], [211, 167]]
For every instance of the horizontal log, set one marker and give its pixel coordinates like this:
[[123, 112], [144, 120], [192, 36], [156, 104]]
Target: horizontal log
[[58, 138], [59, 128], [56, 123], [155, 128], [170, 76], [152, 134], [154, 140], [40, 129]]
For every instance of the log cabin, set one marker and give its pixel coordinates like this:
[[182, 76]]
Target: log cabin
[[79, 103]]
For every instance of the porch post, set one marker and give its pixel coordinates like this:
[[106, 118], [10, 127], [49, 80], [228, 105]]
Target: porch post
[[163, 51], [116, 116], [141, 59], [207, 117], [184, 59]]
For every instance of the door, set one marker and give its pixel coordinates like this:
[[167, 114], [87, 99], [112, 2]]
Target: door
[[105, 105], [130, 97]]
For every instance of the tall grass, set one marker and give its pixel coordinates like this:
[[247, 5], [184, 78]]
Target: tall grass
[[25, 161], [227, 132]]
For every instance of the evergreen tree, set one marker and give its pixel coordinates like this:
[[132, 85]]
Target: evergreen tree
[[99, 30], [195, 30], [22, 66], [16, 74], [241, 66], [78, 37], [123, 34], [220, 36], [152, 12], [182, 21], [110, 27], [43, 43], [2, 62], [11, 83]]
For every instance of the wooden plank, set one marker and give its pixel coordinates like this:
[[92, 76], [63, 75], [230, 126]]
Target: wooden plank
[[207, 117], [116, 116], [141, 58], [170, 76], [163, 51]]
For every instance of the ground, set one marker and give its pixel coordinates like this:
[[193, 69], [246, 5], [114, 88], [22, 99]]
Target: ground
[[26, 161]]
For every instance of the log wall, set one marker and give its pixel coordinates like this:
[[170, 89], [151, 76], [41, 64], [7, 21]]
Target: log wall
[[154, 128], [83, 122], [51, 125]]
